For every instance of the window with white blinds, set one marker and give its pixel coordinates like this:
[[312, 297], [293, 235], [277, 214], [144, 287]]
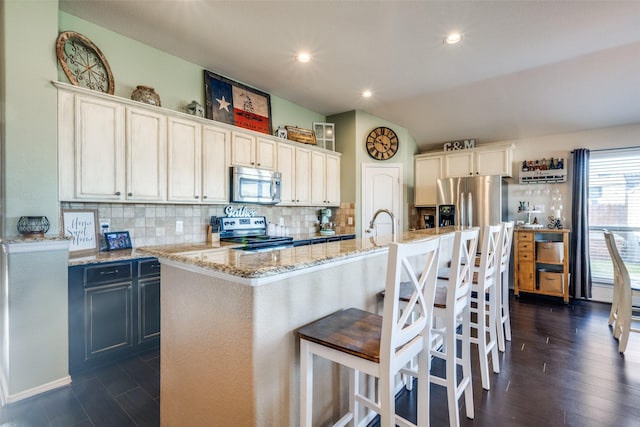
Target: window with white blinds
[[614, 204]]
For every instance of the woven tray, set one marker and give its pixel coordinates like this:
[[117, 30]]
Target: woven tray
[[305, 136]]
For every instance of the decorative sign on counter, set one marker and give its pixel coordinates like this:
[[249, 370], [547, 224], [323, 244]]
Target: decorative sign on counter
[[460, 145], [82, 225], [242, 212]]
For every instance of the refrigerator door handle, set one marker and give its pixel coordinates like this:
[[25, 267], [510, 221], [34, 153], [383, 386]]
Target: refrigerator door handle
[[470, 210], [461, 210]]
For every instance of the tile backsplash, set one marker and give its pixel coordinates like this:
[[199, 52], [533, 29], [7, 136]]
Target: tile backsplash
[[155, 224]]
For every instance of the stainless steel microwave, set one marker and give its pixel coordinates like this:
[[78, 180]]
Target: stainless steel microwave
[[249, 185]]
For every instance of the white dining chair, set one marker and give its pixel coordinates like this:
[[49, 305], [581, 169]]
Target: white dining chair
[[484, 302], [621, 316], [379, 346], [502, 280], [452, 325]]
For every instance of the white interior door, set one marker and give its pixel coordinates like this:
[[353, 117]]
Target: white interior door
[[381, 189]]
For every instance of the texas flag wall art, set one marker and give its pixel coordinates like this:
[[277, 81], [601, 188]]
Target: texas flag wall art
[[236, 104]]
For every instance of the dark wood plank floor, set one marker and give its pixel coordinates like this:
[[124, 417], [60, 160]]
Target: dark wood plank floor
[[561, 369], [123, 394]]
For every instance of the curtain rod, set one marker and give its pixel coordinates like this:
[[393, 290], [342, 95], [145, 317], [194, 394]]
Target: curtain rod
[[612, 149]]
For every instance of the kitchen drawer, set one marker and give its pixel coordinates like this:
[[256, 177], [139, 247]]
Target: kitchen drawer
[[525, 246], [550, 281], [551, 252], [107, 273], [526, 235], [148, 267], [525, 256]]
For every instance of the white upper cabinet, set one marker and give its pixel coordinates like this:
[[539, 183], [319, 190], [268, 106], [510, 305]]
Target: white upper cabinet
[[428, 169], [483, 160], [146, 145], [303, 176], [91, 148], [294, 164], [287, 167], [215, 164], [333, 180], [493, 159], [184, 172], [459, 164], [198, 162], [109, 151], [325, 179], [112, 149], [252, 151]]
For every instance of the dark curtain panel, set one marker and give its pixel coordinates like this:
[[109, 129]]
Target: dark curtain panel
[[579, 249]]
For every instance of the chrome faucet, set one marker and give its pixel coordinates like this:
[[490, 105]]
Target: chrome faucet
[[393, 221]]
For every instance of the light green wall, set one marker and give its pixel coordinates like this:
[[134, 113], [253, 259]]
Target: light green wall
[[177, 81], [345, 134], [30, 112], [285, 113]]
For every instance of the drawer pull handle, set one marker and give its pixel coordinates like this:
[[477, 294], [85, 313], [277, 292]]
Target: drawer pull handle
[[104, 273]]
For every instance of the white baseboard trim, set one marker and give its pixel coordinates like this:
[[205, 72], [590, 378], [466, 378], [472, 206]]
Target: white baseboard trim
[[12, 398]]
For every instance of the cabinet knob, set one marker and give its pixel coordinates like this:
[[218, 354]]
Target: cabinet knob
[[118, 193], [129, 194], [257, 164], [204, 197], [196, 197]]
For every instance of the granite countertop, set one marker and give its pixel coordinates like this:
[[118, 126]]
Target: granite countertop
[[247, 264]]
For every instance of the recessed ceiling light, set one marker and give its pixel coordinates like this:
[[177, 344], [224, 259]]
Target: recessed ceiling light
[[304, 57], [366, 94], [453, 38]]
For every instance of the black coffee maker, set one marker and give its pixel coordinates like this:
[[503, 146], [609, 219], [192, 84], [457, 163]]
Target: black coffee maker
[[446, 215]]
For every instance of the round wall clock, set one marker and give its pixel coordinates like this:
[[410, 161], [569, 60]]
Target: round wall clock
[[83, 63], [382, 143]]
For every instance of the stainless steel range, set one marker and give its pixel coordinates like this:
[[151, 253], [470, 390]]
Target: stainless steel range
[[251, 232]]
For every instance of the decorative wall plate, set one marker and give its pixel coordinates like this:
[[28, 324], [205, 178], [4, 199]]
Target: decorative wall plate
[[83, 63]]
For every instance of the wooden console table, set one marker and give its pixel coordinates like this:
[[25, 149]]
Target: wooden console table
[[542, 262]]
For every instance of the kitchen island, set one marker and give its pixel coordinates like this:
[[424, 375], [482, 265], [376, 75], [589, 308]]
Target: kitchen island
[[229, 355]]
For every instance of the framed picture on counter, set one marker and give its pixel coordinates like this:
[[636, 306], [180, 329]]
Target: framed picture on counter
[[236, 104], [118, 240], [82, 226]]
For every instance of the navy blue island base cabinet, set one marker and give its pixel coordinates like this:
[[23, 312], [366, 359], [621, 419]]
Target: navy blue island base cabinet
[[114, 311]]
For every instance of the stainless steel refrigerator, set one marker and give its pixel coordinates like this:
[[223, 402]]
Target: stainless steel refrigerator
[[472, 201]]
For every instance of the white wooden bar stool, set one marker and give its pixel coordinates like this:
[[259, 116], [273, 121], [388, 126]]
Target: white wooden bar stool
[[379, 346], [452, 310], [485, 321], [621, 315], [502, 279]]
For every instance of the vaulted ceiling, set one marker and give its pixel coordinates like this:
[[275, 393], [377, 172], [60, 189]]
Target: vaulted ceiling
[[523, 68]]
